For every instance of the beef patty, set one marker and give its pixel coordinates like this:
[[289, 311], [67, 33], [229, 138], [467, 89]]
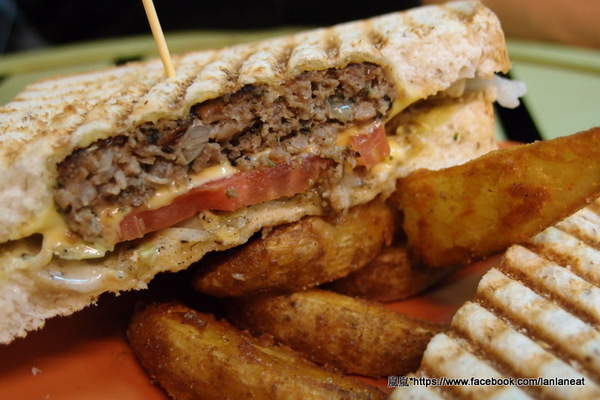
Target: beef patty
[[308, 111]]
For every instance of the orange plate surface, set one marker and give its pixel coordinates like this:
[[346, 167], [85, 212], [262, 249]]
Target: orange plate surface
[[86, 356]]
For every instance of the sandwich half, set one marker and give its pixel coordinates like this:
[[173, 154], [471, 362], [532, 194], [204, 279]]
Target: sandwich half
[[109, 177]]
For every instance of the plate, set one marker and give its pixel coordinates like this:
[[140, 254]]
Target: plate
[[86, 355]]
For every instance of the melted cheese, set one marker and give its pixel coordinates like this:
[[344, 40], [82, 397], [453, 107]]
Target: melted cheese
[[397, 154], [399, 105], [343, 138], [64, 244], [434, 117]]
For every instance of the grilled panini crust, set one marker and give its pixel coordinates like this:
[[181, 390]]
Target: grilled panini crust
[[536, 315]]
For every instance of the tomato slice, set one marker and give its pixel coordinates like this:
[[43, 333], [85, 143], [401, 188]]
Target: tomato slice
[[228, 194], [372, 146]]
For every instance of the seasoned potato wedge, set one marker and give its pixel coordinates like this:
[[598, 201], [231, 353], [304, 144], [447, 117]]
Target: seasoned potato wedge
[[391, 276], [458, 214], [194, 356], [354, 335], [303, 254]]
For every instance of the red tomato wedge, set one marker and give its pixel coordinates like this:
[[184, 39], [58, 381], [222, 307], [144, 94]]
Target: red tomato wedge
[[228, 194], [372, 146]]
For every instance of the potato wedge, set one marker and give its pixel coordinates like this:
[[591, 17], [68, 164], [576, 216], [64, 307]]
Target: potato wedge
[[303, 254], [194, 356], [354, 335], [458, 214], [391, 276]]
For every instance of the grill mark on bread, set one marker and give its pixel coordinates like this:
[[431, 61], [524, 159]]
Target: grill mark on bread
[[416, 27], [512, 348], [544, 292], [431, 369], [195, 64], [467, 356], [555, 283], [564, 346], [565, 260], [461, 334], [331, 43], [177, 96], [80, 87], [583, 225], [224, 68], [237, 63], [267, 60], [464, 16], [377, 39], [125, 103], [489, 360], [284, 58], [581, 260]]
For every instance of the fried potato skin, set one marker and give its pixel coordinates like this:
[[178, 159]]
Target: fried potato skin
[[303, 254], [459, 214], [351, 334], [194, 356], [391, 276]]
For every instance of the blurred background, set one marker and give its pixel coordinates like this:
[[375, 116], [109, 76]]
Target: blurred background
[[26, 24], [29, 24]]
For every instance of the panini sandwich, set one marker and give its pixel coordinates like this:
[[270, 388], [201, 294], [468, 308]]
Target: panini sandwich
[[111, 177]]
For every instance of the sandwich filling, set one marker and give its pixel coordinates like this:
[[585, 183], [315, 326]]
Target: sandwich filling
[[254, 145]]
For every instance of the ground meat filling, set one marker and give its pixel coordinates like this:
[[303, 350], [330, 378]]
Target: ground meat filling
[[309, 111]]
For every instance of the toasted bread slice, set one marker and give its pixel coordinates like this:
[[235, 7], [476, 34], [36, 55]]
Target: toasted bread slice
[[535, 316]]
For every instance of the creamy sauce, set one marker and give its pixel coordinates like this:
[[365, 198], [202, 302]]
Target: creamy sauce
[[397, 155], [343, 138], [64, 244], [79, 279], [211, 174]]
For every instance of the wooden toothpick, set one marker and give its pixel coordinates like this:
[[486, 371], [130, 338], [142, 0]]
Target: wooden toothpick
[[159, 37]]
